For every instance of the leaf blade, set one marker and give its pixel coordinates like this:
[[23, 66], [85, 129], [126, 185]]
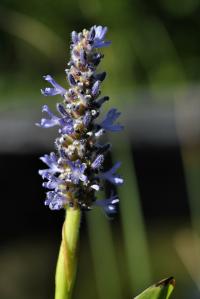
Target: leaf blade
[[160, 290]]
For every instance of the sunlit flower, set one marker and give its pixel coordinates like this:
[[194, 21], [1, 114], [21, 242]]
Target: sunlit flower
[[76, 171]]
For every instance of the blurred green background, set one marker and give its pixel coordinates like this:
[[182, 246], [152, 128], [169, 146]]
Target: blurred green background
[[153, 77]]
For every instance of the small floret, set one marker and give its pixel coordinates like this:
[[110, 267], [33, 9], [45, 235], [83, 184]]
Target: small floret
[[57, 89]]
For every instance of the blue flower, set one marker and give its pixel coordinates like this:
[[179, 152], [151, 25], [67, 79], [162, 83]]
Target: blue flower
[[108, 122], [109, 205], [57, 89], [51, 122], [51, 161], [97, 35], [66, 122], [111, 176], [55, 200], [53, 182], [77, 172]]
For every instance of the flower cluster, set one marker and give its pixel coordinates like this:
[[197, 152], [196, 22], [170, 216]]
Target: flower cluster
[[76, 172]]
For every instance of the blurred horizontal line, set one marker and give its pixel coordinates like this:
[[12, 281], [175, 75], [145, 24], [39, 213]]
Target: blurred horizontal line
[[146, 123]]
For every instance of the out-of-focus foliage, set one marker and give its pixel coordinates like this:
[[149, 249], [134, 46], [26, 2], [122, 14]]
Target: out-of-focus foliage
[[161, 290], [155, 43]]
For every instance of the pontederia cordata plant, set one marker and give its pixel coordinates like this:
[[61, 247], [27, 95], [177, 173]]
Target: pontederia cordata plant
[[76, 171]]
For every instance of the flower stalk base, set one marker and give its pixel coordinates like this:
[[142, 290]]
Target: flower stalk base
[[67, 259]]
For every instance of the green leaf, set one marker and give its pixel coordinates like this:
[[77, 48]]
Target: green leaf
[[160, 290]]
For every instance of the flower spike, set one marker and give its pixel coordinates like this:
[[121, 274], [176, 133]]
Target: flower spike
[[76, 172]]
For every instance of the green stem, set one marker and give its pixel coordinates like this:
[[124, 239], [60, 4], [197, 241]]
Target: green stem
[[67, 261]]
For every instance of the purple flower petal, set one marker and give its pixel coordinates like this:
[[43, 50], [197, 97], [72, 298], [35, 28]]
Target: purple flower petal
[[97, 163], [111, 176], [57, 89], [100, 32], [107, 123], [87, 118], [51, 161], [91, 34], [100, 44], [61, 110], [68, 127], [53, 182], [83, 57], [74, 36], [65, 122], [95, 88], [48, 123], [71, 80], [55, 200], [98, 38], [109, 204], [78, 170]]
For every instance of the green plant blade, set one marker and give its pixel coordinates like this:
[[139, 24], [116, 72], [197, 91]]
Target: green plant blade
[[160, 290]]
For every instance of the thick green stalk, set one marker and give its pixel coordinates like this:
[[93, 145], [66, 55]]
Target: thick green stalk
[[67, 260]]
